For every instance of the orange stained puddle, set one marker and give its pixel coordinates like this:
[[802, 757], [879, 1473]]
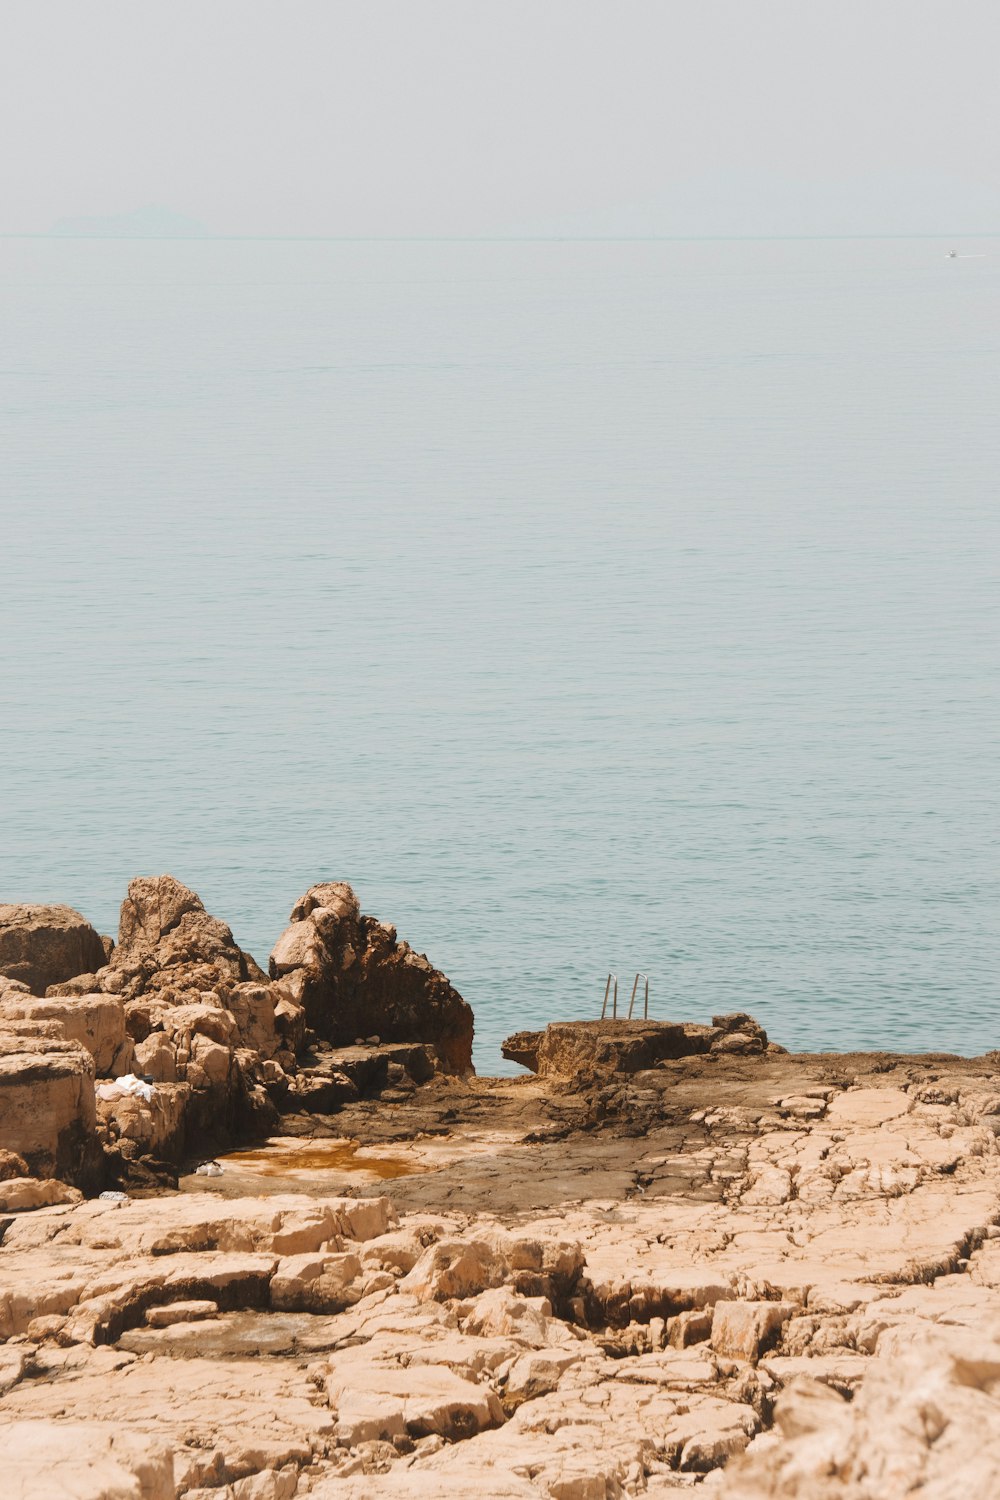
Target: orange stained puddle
[[320, 1156]]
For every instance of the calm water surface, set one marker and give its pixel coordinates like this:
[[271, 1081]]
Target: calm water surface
[[587, 606]]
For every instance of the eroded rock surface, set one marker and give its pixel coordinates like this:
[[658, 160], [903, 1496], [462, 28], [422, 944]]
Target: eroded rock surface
[[208, 1049], [760, 1274], [598, 1049], [42, 945], [354, 979]]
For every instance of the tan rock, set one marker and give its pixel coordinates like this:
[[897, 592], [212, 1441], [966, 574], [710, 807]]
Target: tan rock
[[501, 1314], [47, 1112], [96, 1021], [42, 945], [181, 1312], [692, 1327], [538, 1372], [744, 1330], [157, 1125], [923, 1421], [12, 1165], [455, 1268], [85, 1460], [768, 1184], [376, 1402], [353, 978], [156, 1058], [18, 1193], [316, 1283]]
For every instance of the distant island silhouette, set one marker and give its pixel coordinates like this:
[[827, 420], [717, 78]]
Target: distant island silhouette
[[149, 223]]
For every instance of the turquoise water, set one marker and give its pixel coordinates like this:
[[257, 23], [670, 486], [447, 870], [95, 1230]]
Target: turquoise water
[[587, 606]]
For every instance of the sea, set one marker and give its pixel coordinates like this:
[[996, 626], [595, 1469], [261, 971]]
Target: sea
[[592, 607]]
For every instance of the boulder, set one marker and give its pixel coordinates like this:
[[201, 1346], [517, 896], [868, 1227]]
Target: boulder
[[43, 945], [316, 1283], [925, 1420], [374, 1402], [12, 1165], [88, 1460], [743, 1330], [354, 979], [47, 1111], [168, 942], [155, 1127], [570, 1049], [201, 1016], [96, 1021], [181, 1312], [18, 1193], [455, 1268]]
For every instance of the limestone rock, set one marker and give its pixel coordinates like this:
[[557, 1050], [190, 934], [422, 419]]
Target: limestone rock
[[167, 940], [172, 1313], [924, 1420], [316, 1283], [538, 1372], [354, 979], [42, 945], [455, 1268], [12, 1165], [373, 1401], [87, 1460], [96, 1021], [745, 1329], [569, 1049], [47, 1113], [18, 1193]]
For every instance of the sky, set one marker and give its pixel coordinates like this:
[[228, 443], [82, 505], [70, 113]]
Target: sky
[[497, 117]]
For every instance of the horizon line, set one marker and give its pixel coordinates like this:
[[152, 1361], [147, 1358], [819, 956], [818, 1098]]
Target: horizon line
[[491, 239]]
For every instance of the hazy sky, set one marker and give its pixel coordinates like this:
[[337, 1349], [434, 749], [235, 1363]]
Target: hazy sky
[[499, 116]]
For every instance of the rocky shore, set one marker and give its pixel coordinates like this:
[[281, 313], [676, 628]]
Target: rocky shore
[[668, 1257]]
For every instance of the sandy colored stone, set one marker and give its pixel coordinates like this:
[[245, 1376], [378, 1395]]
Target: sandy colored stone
[[42, 945], [376, 1402], [316, 1283], [47, 1112], [96, 1021], [18, 1193], [181, 1312], [84, 1460], [353, 978]]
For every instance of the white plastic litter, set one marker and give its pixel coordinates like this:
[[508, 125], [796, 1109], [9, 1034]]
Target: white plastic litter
[[208, 1169], [127, 1084], [112, 1197]]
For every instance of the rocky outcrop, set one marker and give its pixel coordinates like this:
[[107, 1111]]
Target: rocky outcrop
[[588, 1051], [219, 1047], [925, 1420], [44, 945], [792, 1276], [47, 1109], [88, 1460], [97, 1022], [354, 979]]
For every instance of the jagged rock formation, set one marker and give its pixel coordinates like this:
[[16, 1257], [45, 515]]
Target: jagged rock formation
[[47, 1112], [354, 979], [224, 1048], [41, 945]]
